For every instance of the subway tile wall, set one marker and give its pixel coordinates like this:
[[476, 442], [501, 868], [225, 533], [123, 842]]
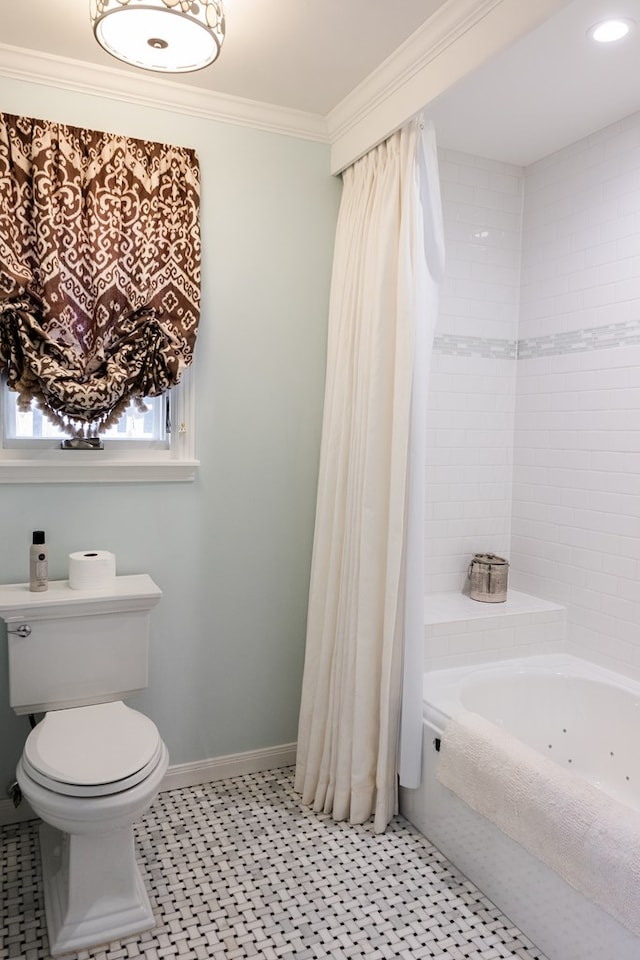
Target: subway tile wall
[[576, 494], [482, 210], [557, 488], [576, 497], [581, 238], [472, 380], [457, 644]]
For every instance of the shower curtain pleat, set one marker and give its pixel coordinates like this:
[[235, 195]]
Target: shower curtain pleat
[[352, 685]]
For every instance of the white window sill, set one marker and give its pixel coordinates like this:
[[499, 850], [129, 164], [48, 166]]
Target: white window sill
[[77, 468], [117, 463]]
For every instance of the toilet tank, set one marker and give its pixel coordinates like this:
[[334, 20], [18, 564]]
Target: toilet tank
[[70, 648]]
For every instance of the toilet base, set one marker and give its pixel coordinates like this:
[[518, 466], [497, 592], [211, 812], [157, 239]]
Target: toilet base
[[84, 906]]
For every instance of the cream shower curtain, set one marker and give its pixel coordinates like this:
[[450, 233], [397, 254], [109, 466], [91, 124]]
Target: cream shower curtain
[[388, 260]]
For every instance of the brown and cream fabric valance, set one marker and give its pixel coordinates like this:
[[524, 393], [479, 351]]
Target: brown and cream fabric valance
[[99, 269]]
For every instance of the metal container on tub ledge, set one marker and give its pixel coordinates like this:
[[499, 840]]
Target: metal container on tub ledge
[[488, 575]]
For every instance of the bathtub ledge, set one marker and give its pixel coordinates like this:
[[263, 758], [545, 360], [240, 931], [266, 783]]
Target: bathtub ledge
[[459, 630], [457, 607]]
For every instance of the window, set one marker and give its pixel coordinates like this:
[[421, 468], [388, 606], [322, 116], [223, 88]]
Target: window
[[143, 429], [157, 445], [66, 310]]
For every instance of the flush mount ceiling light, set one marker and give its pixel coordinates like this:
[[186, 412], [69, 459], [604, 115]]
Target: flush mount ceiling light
[[608, 31], [171, 36]]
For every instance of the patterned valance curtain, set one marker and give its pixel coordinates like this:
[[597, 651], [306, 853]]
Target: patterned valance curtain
[[99, 269]]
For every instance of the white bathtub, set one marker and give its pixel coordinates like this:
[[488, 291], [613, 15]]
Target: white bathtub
[[585, 718]]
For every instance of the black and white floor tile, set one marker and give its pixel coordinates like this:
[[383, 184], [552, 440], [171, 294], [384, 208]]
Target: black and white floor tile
[[239, 869]]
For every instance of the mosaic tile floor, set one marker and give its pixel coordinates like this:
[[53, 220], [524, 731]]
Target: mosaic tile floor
[[240, 869]]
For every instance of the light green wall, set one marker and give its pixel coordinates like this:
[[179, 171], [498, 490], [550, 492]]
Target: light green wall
[[232, 550]]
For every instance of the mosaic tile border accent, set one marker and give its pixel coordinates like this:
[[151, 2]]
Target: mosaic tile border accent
[[606, 337], [585, 340], [489, 348], [240, 870]]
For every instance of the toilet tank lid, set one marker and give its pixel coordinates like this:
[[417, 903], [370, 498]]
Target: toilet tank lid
[[102, 743], [131, 592]]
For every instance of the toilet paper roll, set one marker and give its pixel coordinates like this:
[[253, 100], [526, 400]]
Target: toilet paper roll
[[92, 570]]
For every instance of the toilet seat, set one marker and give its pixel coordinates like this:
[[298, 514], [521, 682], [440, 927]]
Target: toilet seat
[[92, 751]]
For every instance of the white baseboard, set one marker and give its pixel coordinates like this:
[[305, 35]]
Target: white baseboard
[[190, 774], [232, 765]]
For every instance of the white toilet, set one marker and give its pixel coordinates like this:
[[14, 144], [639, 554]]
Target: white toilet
[[92, 766]]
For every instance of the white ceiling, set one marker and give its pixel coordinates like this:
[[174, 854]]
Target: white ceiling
[[301, 54], [548, 89]]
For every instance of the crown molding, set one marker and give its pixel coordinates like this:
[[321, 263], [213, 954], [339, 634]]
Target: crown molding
[[152, 91], [457, 38], [443, 28]]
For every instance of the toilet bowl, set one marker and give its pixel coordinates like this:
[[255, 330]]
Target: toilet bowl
[[90, 773], [93, 765]]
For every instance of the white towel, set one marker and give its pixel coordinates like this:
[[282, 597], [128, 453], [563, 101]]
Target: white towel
[[590, 839]]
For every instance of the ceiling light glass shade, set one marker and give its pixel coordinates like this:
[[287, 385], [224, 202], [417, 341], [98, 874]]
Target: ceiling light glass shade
[[171, 36], [608, 31]]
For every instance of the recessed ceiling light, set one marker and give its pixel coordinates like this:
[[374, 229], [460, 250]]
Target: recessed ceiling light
[[607, 31]]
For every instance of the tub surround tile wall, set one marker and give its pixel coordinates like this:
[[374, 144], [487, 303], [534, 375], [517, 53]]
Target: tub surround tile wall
[[581, 238], [581, 341], [472, 380], [482, 211], [576, 497], [570, 524], [468, 470]]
